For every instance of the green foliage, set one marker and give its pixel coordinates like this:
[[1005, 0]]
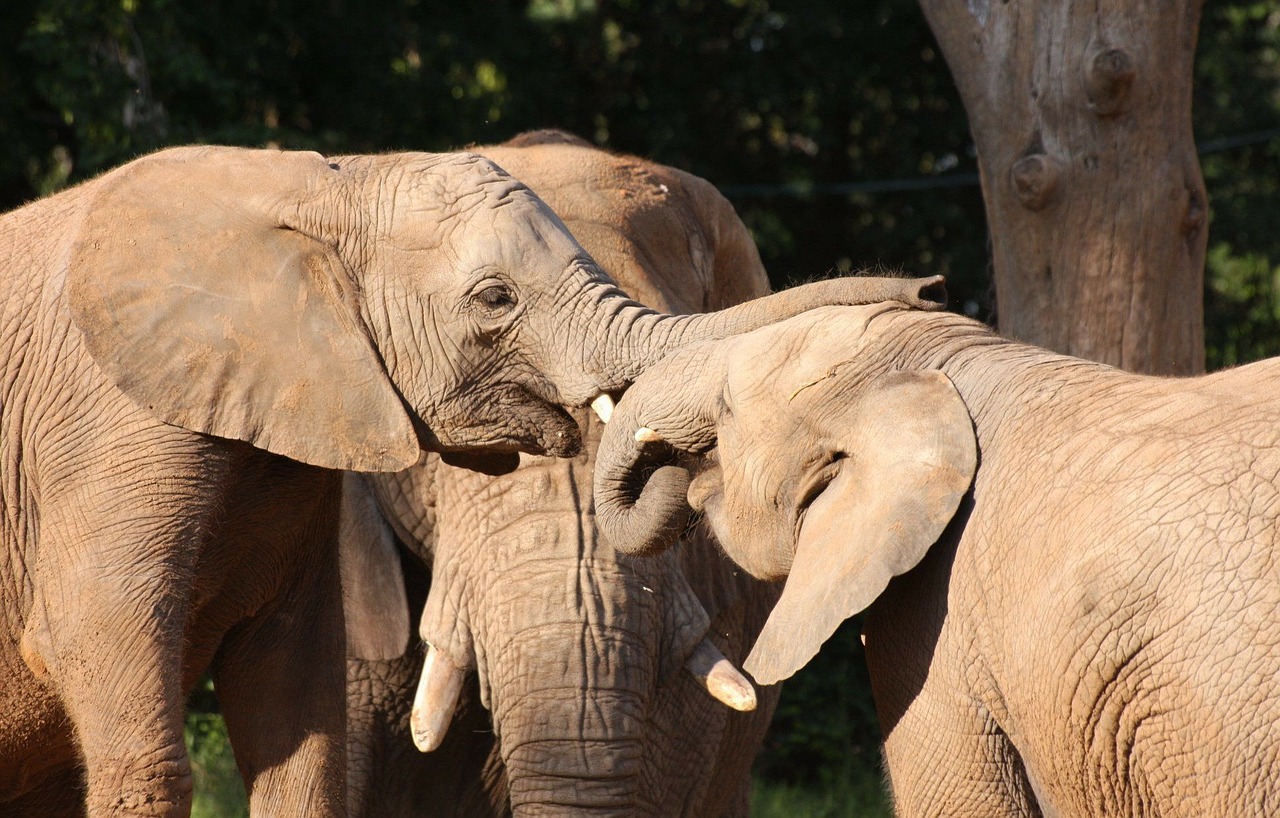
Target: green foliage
[[1237, 92], [1245, 295], [219, 792], [824, 732], [746, 93]]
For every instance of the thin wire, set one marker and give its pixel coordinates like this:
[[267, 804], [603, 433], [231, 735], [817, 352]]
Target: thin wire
[[805, 190]]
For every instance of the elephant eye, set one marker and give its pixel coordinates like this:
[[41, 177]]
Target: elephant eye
[[495, 298]]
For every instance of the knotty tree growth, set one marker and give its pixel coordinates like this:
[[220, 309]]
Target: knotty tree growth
[[1081, 113]]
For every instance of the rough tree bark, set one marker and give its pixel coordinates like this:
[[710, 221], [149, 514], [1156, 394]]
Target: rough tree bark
[[1081, 113]]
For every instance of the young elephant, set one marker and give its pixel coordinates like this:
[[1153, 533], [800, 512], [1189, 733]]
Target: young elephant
[[581, 656], [1087, 566], [189, 346]]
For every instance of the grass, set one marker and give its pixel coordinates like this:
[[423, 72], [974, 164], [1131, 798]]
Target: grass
[[219, 792], [861, 796]]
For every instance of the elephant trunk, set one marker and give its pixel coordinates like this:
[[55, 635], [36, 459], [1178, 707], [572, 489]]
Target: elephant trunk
[[641, 485], [637, 337], [602, 776], [571, 732], [569, 645]]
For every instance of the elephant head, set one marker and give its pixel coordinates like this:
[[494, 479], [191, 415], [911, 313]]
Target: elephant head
[[828, 466], [595, 668], [352, 312]]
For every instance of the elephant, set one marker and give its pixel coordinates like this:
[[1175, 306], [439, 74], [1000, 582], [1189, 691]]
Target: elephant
[[1070, 571], [194, 346], [576, 637]]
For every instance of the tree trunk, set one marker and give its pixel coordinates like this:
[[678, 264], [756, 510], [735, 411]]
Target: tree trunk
[[1095, 202]]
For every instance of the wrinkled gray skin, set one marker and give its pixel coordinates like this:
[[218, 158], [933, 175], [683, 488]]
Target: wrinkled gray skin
[[580, 654], [1081, 625], [190, 345]]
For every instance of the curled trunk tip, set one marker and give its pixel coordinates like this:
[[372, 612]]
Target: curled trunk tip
[[930, 292], [650, 522]]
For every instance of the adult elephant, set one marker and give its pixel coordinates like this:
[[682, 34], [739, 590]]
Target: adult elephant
[[582, 657], [1087, 560], [191, 345]]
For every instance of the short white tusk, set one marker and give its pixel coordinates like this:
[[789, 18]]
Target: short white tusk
[[603, 407], [439, 689], [645, 435], [721, 679]]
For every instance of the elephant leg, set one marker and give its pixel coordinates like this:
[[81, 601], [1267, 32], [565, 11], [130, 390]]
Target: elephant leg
[[108, 629], [946, 757], [280, 680], [945, 752], [113, 647], [60, 795], [388, 777], [363, 695]]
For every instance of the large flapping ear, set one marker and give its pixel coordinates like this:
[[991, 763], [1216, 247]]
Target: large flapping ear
[[204, 305], [373, 597], [909, 458]]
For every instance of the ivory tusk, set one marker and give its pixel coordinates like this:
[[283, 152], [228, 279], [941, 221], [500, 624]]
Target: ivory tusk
[[603, 407], [439, 689], [720, 678], [645, 435]]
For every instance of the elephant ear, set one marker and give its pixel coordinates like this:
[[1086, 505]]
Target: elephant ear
[[737, 274], [373, 597], [205, 307], [909, 458]]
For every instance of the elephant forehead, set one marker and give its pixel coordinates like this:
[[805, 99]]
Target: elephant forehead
[[416, 190], [782, 377], [520, 235], [452, 177], [537, 227], [788, 355]]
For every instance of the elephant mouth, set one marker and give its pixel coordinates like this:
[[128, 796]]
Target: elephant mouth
[[511, 418], [558, 435]]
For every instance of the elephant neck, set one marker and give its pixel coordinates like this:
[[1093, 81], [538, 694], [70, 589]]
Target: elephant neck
[[1013, 390]]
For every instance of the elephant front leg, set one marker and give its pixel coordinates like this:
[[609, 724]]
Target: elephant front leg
[[111, 642], [280, 679], [945, 753], [58, 796], [950, 758]]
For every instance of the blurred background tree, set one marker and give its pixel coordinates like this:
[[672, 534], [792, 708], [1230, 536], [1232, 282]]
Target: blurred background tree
[[1095, 201], [834, 127]]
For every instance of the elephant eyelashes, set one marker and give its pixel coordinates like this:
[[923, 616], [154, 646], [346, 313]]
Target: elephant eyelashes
[[495, 299]]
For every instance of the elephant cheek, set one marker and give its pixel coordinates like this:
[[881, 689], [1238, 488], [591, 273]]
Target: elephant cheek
[[741, 543], [706, 488]]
